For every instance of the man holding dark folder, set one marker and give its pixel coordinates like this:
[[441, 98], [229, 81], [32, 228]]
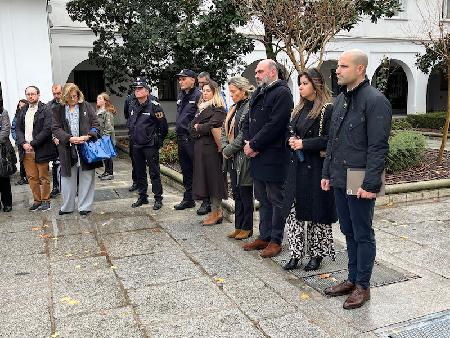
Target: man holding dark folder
[[359, 133]]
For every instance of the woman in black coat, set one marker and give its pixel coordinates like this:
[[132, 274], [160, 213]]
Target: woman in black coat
[[7, 155], [313, 210], [208, 178]]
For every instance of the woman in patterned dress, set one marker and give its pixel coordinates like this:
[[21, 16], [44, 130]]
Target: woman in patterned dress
[[313, 210]]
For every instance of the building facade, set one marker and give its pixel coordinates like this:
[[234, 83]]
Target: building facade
[[50, 48]]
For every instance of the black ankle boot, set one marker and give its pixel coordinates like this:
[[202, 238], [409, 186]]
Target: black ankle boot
[[313, 263], [292, 264]]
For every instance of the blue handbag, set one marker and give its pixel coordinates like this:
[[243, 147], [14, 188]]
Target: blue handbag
[[100, 150]]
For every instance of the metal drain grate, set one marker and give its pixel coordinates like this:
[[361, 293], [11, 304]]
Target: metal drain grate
[[328, 265], [434, 326], [381, 275]]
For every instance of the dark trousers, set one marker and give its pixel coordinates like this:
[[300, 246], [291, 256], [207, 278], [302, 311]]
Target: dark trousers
[[55, 167], [23, 174], [186, 158], [355, 219], [108, 163], [243, 203], [130, 152], [5, 191], [144, 156], [271, 220]]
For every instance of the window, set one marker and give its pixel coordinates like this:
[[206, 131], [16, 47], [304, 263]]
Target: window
[[168, 87], [334, 83], [91, 83], [402, 12]]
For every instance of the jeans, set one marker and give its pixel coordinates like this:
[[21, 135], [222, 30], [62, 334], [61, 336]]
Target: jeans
[[355, 219]]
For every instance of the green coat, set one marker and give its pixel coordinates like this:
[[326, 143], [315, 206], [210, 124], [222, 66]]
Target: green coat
[[235, 149], [106, 122]]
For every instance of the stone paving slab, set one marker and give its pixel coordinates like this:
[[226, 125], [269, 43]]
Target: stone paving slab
[[157, 268], [138, 243], [168, 303], [223, 324], [94, 292], [119, 225], [21, 226], [21, 270], [20, 244], [77, 246], [100, 324]]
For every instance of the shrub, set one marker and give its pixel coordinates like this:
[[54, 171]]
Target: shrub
[[406, 150], [435, 120], [169, 151], [401, 124]]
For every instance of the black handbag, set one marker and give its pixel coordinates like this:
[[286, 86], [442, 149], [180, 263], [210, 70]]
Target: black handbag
[[8, 159]]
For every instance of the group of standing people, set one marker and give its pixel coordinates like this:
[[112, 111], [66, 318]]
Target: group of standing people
[[294, 159], [53, 132]]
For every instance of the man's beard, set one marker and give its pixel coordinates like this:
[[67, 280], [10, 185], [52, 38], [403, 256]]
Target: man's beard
[[263, 82]]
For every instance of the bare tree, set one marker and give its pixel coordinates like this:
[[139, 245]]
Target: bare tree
[[303, 28], [435, 37]]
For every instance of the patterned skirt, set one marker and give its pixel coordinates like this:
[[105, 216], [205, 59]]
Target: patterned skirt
[[309, 239]]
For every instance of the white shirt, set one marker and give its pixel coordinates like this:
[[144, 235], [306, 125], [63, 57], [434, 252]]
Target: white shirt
[[29, 121]]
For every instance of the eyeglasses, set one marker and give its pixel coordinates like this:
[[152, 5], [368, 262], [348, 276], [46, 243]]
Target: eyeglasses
[[31, 94], [73, 96]]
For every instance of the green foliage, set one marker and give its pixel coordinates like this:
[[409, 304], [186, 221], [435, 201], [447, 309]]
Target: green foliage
[[168, 153], [401, 124], [383, 75], [436, 54], [435, 120], [406, 150], [161, 36]]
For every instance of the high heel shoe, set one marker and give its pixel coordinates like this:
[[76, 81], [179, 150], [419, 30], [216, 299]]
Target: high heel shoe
[[292, 264], [244, 234], [214, 217], [234, 233], [313, 264]]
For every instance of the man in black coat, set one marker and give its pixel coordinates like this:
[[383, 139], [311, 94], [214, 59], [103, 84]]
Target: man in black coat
[[186, 110], [53, 104], [265, 134], [147, 129], [358, 138], [36, 149]]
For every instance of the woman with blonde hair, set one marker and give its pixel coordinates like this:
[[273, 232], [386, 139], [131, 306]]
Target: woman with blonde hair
[[74, 123], [105, 116], [313, 210], [236, 162], [208, 178]]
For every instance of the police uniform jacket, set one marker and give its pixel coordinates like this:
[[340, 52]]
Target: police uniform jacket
[[359, 133], [266, 127], [147, 124], [186, 110]]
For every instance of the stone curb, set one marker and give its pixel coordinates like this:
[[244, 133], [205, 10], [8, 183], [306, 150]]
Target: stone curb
[[395, 193]]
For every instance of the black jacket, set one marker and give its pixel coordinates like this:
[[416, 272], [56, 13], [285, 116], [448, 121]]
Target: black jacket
[[359, 134], [303, 181], [186, 110], [42, 133], [266, 127], [147, 124], [88, 125]]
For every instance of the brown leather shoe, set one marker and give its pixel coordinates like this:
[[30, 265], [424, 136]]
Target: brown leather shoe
[[340, 289], [214, 217], [244, 234], [234, 233], [257, 244], [357, 298], [271, 250]]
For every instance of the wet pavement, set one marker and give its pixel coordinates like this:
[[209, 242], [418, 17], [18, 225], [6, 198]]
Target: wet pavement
[[123, 272]]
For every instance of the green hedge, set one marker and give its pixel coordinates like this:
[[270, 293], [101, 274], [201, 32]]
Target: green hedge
[[169, 151], [435, 120], [406, 150], [401, 124]]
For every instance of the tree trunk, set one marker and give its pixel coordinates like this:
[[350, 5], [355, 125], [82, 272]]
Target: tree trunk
[[268, 44], [447, 120]]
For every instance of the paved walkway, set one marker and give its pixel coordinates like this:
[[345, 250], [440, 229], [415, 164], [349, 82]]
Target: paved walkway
[[138, 273]]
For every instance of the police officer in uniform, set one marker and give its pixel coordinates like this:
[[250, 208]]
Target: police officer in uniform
[[186, 110], [147, 129]]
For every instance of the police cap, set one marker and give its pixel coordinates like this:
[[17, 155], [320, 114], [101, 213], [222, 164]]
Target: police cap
[[141, 82], [187, 73]]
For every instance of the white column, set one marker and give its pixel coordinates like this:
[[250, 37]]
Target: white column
[[418, 103], [24, 50]]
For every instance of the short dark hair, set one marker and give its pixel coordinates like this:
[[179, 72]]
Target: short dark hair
[[37, 89], [204, 74]]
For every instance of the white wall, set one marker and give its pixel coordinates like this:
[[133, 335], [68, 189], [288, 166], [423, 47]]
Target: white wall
[[24, 50]]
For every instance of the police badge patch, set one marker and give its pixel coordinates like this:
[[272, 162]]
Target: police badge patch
[[159, 114]]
